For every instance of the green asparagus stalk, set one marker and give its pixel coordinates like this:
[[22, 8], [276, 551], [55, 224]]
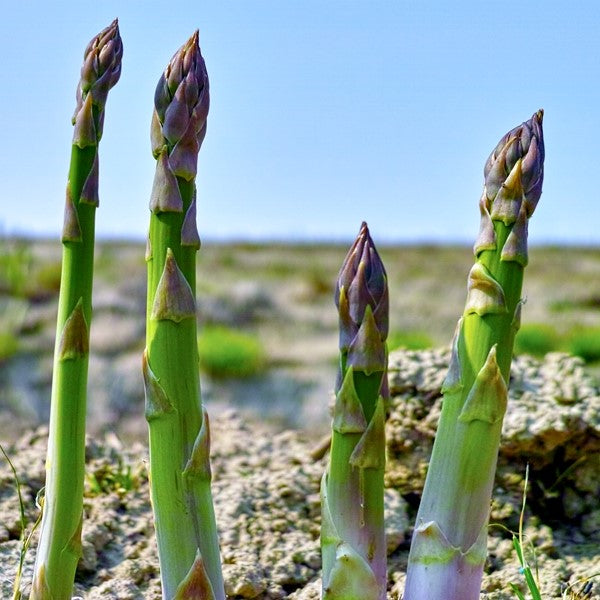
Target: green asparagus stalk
[[352, 534], [180, 473], [60, 542], [448, 548]]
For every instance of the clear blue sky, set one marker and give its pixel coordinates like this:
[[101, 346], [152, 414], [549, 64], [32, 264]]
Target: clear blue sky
[[323, 113]]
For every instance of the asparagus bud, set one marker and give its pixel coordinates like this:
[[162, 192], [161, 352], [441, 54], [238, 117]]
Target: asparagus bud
[[181, 104], [361, 281], [448, 548], [100, 72], [60, 540], [352, 535], [178, 427]]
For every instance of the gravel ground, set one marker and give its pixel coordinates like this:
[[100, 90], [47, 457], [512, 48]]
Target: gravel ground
[[266, 488]]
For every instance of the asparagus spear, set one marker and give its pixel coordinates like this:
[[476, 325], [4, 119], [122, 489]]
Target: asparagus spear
[[448, 548], [60, 542], [352, 534], [179, 431]]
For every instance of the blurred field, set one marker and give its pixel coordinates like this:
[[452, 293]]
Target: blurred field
[[281, 298]]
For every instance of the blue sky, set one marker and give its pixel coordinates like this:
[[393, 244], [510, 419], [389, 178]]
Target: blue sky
[[323, 113]]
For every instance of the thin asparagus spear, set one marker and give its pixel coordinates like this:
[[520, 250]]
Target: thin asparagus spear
[[180, 474], [352, 534], [60, 543], [448, 549]]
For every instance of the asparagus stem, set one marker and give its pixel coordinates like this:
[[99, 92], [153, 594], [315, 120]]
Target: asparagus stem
[[352, 536], [60, 542], [178, 429], [448, 548]]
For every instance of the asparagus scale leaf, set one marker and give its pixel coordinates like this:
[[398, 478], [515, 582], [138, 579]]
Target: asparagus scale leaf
[[180, 473], [352, 534], [448, 549], [60, 541]]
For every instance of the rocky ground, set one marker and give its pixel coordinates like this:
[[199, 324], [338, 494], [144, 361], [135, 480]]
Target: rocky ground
[[267, 502]]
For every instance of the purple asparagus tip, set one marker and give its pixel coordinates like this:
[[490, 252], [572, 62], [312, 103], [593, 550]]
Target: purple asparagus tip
[[519, 153], [181, 104], [102, 64], [362, 283], [100, 72]]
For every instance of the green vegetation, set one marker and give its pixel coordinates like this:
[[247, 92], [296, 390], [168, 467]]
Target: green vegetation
[[15, 267], [180, 475], [531, 581], [571, 304], [225, 352], [531, 576], [119, 477], [25, 537], [352, 532], [59, 548], [449, 544], [537, 339], [23, 275], [9, 344], [585, 342], [46, 278], [409, 340], [12, 316]]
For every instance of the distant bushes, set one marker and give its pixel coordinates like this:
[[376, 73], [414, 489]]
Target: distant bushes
[[409, 340], [12, 316], [585, 343], [226, 352], [24, 276], [537, 339], [8, 345], [15, 268]]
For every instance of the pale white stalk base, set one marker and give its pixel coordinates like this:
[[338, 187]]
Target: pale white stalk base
[[440, 571]]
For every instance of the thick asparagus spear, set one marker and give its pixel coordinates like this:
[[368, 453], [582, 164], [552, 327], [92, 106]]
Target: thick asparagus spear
[[60, 543], [179, 437], [448, 549], [352, 534]]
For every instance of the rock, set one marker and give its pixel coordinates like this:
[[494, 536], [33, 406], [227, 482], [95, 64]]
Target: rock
[[113, 333], [552, 423], [396, 520], [244, 303]]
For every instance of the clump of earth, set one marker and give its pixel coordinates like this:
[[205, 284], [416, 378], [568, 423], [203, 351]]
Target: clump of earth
[[266, 490]]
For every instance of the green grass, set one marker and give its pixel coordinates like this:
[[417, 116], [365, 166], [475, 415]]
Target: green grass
[[537, 339], [15, 267], [532, 577], [586, 303], [46, 278], [409, 340], [12, 316], [24, 276], [9, 345], [532, 581], [585, 343], [225, 352], [107, 478], [25, 537]]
